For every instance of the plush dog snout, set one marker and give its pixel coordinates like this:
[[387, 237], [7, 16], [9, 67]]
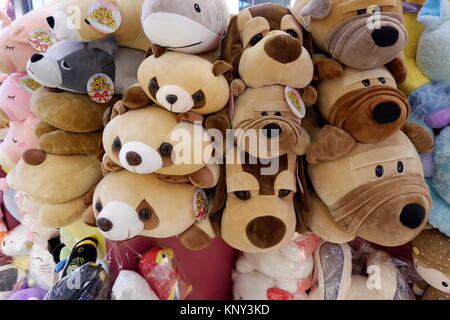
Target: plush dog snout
[[412, 215], [265, 232], [283, 48], [133, 158], [171, 98], [140, 158], [385, 36], [51, 21], [272, 130], [104, 224], [386, 112], [36, 57]]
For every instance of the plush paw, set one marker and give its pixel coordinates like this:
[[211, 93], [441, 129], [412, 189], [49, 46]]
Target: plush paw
[[328, 68]]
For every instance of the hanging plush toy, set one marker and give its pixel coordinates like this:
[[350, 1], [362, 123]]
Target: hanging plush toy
[[129, 285], [186, 26], [88, 20], [357, 34]]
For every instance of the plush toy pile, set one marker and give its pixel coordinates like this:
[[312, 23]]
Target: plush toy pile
[[294, 148]]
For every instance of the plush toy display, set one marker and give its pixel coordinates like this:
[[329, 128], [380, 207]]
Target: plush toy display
[[283, 274], [186, 26], [432, 53], [129, 285], [357, 34], [88, 20], [431, 251]]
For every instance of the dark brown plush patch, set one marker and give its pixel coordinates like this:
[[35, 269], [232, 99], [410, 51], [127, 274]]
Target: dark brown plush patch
[[135, 98], [398, 69], [419, 136], [328, 68], [34, 157], [265, 232], [189, 117], [195, 238], [203, 178], [283, 48], [89, 217], [147, 215], [273, 13]]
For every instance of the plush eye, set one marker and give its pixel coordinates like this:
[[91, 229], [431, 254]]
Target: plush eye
[[11, 98], [145, 214], [444, 284], [382, 80], [264, 114], [14, 140], [80, 250], [278, 114], [366, 83], [361, 11], [198, 96], [117, 144], [197, 8], [87, 21], [153, 84], [379, 171], [243, 195], [166, 149], [257, 38], [283, 193], [292, 33], [8, 48], [65, 65], [99, 206], [400, 167]]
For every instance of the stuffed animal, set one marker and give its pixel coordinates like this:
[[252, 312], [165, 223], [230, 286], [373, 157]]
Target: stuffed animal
[[181, 83], [430, 109], [27, 292], [335, 281], [16, 244], [382, 195], [129, 285], [58, 183], [283, 274], [88, 20], [41, 267], [432, 54], [125, 205], [87, 67], [186, 26], [25, 36], [266, 45], [431, 251], [10, 277], [359, 34], [177, 151], [85, 251]]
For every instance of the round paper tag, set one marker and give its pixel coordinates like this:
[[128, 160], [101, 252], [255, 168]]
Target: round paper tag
[[100, 88], [295, 102], [104, 16], [41, 39], [200, 205], [27, 83]]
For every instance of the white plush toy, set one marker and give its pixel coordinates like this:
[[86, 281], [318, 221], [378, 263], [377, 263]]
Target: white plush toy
[[283, 274], [42, 268], [130, 285], [16, 243]]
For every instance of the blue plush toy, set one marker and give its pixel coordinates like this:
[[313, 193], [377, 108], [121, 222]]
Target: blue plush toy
[[430, 108]]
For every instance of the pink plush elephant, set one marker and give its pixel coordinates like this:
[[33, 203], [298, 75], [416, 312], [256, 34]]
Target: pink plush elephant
[[23, 37]]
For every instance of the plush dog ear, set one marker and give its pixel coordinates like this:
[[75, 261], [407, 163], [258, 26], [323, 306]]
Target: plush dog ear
[[198, 236], [398, 69], [118, 109], [89, 215], [308, 42], [221, 67], [317, 9], [135, 98], [154, 50], [232, 49], [419, 136], [108, 44]]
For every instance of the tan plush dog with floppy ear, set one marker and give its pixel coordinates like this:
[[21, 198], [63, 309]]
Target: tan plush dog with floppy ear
[[125, 205], [266, 45], [362, 34]]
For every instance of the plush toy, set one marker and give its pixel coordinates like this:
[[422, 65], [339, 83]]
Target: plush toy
[[359, 34], [335, 281], [88, 20], [41, 267], [10, 277], [129, 285], [27, 292], [77, 231], [58, 183], [267, 114], [25, 36], [85, 251], [3, 231], [163, 275], [381, 195], [87, 67], [181, 83], [176, 151], [16, 244], [432, 54], [126, 205], [266, 45], [431, 251], [283, 274], [186, 26], [430, 108]]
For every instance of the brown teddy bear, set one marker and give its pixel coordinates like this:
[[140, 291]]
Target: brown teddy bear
[[359, 34], [125, 205]]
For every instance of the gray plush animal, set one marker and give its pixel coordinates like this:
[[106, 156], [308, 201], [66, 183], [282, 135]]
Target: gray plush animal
[[69, 65]]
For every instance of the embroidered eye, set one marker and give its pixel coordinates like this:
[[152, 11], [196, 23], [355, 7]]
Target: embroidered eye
[[87, 21], [198, 96], [257, 38], [278, 114], [65, 65], [243, 195], [80, 250], [117, 144], [99, 207], [444, 284], [166, 149], [283, 193], [14, 140], [153, 85], [382, 80], [11, 98], [8, 48], [400, 167], [145, 214], [292, 33], [264, 114], [361, 11], [197, 8], [366, 83], [379, 171]]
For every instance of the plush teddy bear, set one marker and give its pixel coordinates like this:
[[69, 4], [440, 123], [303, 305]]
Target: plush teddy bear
[[176, 151], [84, 67], [88, 20], [25, 36], [186, 26], [59, 183], [125, 205], [432, 54], [357, 34], [431, 252], [266, 45], [283, 274]]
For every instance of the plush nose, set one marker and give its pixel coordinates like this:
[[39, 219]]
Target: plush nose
[[412, 215], [272, 130], [51, 22], [104, 224], [385, 36], [36, 57], [265, 232], [386, 112], [283, 48], [133, 158], [171, 98]]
